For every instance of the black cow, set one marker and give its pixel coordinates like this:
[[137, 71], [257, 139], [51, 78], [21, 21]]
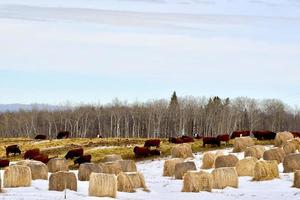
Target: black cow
[[154, 152], [74, 153], [264, 135], [40, 137], [211, 141], [13, 149], [63, 134], [83, 159]]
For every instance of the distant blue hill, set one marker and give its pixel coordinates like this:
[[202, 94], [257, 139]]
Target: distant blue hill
[[17, 107]]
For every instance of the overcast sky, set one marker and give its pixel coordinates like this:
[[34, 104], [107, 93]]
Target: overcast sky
[[90, 51]]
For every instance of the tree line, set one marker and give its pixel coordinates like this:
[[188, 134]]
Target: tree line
[[156, 118]]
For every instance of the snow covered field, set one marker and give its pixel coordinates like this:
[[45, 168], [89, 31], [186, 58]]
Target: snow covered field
[[167, 188]]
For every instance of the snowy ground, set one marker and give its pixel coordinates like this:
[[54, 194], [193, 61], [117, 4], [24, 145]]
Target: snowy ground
[[168, 188]]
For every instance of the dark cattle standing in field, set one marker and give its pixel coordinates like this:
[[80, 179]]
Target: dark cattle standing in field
[[182, 139], [295, 134], [152, 143], [83, 159], [63, 134], [187, 139], [176, 140], [264, 135], [154, 152], [30, 154], [211, 140], [4, 163], [239, 134], [141, 151], [223, 138], [13, 149], [74, 153], [40, 137], [41, 157]]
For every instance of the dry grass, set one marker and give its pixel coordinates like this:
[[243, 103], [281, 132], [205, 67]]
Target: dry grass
[[103, 185], [194, 181], [17, 176], [59, 181], [265, 170], [225, 177]]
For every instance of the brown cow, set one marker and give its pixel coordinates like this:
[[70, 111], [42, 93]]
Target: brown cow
[[4, 163], [141, 151], [13, 149], [295, 133], [30, 154], [83, 159], [74, 153], [41, 157], [176, 140], [187, 139], [211, 140], [223, 138], [152, 143]]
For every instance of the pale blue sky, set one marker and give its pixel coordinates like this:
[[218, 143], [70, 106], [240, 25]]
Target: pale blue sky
[[91, 51]]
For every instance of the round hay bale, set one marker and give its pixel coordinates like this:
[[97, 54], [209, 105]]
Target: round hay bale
[[112, 168], [208, 160], [128, 165], [182, 168], [291, 146], [85, 170], [62, 180], [103, 185], [282, 137], [57, 164], [256, 151], [225, 177], [194, 181], [112, 158], [291, 163], [182, 151], [297, 179], [129, 181], [245, 167], [241, 143], [226, 161], [274, 154], [265, 170], [169, 166], [17, 176], [38, 169]]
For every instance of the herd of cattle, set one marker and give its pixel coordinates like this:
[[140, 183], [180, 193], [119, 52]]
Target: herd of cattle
[[150, 148], [35, 154]]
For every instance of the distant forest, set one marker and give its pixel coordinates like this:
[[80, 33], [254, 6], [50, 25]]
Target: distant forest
[[157, 118]]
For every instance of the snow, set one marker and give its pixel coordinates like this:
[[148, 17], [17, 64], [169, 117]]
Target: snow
[[167, 188]]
